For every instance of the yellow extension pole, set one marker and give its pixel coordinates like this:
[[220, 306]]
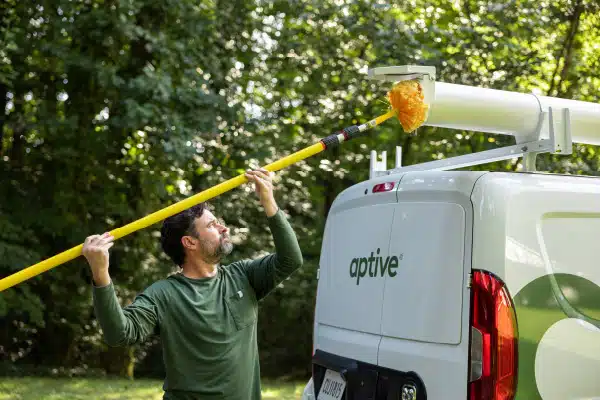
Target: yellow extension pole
[[173, 209]]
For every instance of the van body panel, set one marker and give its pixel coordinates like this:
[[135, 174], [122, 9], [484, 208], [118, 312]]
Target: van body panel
[[443, 368], [349, 290], [355, 345], [423, 301], [539, 234], [520, 217]]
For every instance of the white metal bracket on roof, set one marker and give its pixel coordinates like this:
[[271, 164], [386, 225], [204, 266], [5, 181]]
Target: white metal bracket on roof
[[552, 135], [378, 166]]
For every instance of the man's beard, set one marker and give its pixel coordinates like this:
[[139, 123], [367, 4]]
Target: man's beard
[[225, 247], [214, 255]]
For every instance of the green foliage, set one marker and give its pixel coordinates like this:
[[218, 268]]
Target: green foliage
[[114, 109], [110, 108]]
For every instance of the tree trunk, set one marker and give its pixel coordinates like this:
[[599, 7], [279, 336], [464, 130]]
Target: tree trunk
[[566, 53], [3, 88], [119, 361], [3, 93], [17, 150]]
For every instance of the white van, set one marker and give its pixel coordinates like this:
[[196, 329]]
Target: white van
[[438, 284]]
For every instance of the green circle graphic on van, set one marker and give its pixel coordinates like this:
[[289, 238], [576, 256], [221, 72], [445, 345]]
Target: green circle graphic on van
[[539, 305]]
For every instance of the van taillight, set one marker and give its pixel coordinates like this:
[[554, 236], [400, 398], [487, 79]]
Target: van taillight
[[383, 187], [493, 369]]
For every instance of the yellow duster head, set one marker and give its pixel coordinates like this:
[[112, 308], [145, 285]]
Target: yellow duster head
[[407, 99]]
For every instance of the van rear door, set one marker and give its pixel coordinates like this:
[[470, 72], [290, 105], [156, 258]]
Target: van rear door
[[392, 314], [425, 315], [350, 290], [350, 296]]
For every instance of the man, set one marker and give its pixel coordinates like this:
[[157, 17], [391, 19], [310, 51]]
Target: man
[[206, 314]]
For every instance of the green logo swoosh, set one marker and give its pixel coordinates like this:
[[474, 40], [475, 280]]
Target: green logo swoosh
[[539, 305]]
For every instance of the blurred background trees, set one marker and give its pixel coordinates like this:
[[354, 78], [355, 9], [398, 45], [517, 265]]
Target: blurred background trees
[[113, 109]]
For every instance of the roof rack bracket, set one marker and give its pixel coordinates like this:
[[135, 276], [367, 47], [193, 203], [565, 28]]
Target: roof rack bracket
[[552, 135]]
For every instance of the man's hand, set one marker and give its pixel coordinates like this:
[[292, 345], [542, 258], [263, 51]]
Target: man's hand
[[95, 250], [263, 185]]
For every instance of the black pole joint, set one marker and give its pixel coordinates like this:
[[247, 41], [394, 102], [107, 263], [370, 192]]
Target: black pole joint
[[352, 132], [332, 141]]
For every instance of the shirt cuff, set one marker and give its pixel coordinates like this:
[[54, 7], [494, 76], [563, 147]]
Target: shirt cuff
[[279, 216], [102, 288]]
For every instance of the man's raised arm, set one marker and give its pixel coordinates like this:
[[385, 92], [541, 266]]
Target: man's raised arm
[[266, 272], [121, 327]]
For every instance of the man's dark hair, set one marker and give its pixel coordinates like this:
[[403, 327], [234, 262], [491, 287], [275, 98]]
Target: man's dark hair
[[176, 227]]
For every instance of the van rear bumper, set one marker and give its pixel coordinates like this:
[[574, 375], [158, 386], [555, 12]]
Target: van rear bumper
[[366, 381]]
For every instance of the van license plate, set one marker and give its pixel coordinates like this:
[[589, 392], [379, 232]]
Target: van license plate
[[333, 386]]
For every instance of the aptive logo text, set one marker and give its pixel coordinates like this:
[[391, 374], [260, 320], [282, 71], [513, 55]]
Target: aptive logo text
[[374, 265]]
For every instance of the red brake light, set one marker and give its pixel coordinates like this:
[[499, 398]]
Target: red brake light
[[493, 316], [383, 187]]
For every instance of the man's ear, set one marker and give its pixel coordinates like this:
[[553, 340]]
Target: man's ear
[[189, 242]]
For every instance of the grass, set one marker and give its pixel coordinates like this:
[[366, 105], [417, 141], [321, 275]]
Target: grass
[[112, 389]]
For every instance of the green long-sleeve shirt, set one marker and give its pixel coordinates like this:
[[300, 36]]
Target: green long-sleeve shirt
[[207, 326]]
